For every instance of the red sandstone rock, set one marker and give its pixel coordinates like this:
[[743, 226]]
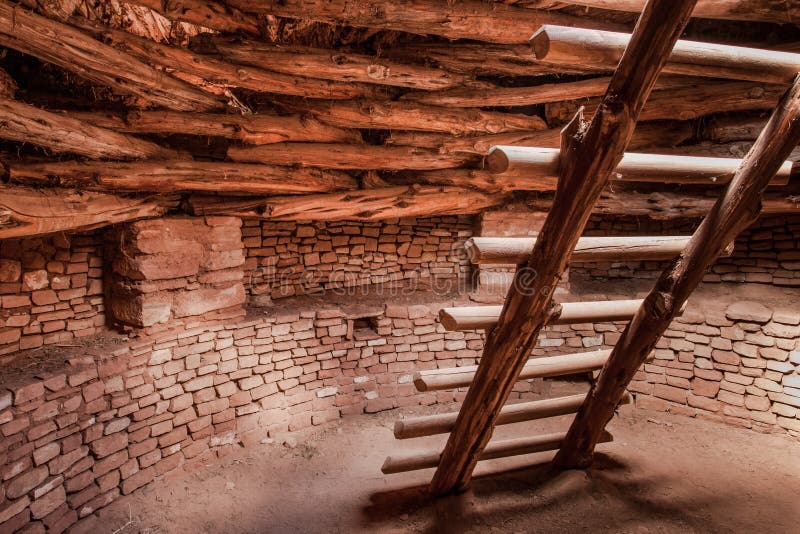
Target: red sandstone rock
[[748, 311]]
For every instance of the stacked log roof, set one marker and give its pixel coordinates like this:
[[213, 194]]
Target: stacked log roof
[[331, 109]]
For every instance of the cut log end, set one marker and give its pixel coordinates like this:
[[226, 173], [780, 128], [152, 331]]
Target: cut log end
[[540, 42], [497, 161]]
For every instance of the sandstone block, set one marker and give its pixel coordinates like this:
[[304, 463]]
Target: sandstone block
[[749, 311]]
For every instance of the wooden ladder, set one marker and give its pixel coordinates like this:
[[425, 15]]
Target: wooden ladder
[[589, 153]]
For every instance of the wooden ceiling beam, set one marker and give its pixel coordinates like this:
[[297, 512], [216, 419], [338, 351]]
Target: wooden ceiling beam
[[172, 176], [578, 47], [468, 19], [777, 11], [594, 150], [734, 210], [73, 50], [64, 134]]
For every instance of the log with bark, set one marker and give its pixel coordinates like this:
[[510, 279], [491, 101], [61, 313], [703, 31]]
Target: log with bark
[[536, 162], [582, 47], [687, 102], [388, 115], [211, 14], [8, 87], [468, 19], [180, 175], [369, 204], [337, 65], [652, 134], [259, 129], [594, 150], [26, 212], [75, 51], [734, 210], [61, 133], [218, 76], [350, 156], [778, 11]]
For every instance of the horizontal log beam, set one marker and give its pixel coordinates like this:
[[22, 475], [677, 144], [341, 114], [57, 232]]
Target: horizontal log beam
[[468, 19], [74, 51], [661, 134], [218, 76], [577, 46], [368, 204], [778, 11], [634, 167], [565, 364], [64, 134], [338, 65], [485, 59], [349, 156], [388, 115], [215, 15], [27, 212], [483, 317], [515, 250], [442, 423], [173, 176], [258, 129], [413, 461], [685, 102]]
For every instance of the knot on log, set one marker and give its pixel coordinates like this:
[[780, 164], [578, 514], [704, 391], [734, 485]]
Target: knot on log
[[660, 305]]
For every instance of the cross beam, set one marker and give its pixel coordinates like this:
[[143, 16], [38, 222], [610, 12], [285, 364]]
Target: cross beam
[[589, 153]]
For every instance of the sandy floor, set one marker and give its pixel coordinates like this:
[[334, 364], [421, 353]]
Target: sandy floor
[[662, 474]]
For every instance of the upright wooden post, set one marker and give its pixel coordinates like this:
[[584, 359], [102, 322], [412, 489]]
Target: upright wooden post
[[589, 154], [736, 209]]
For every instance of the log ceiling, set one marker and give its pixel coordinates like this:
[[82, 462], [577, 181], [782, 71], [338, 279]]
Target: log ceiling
[[330, 109]]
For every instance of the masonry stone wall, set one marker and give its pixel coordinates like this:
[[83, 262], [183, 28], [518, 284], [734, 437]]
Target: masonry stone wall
[[84, 423], [288, 258], [51, 290]]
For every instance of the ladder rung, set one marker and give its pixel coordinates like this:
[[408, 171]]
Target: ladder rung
[[425, 459], [481, 317], [564, 364], [603, 50], [534, 162], [441, 423]]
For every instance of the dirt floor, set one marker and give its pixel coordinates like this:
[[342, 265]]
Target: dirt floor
[[663, 473]]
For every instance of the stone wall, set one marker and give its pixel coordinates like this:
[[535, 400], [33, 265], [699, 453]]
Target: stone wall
[[51, 290], [288, 258], [766, 253], [77, 436]]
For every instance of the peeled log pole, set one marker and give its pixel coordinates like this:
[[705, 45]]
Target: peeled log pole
[[574, 46], [686, 102], [61, 133], [26, 212], [468, 19], [411, 116], [367, 205], [442, 423], [594, 151], [413, 461], [338, 65], [779, 11], [181, 175], [484, 317], [734, 211], [634, 167], [249, 129], [515, 250], [349, 156], [77, 52], [564, 364]]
